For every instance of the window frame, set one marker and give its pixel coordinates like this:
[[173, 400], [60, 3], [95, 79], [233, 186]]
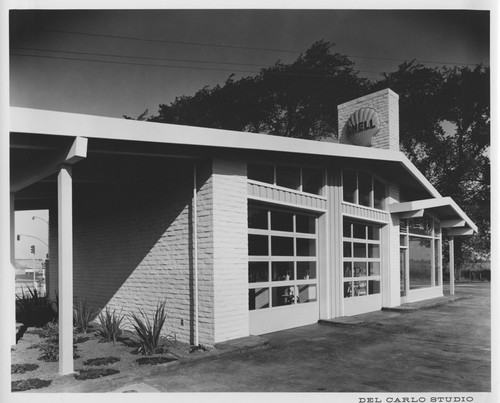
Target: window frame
[[295, 258], [371, 196]]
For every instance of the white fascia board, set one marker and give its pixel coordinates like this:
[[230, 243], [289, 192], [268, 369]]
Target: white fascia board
[[432, 203], [26, 120]]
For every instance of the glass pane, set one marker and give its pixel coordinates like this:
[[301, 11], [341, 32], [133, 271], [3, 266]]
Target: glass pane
[[281, 246], [257, 245], [437, 263], [403, 226], [364, 188], [281, 221], [349, 186], [288, 177], [402, 240], [283, 296], [307, 293], [420, 262], [374, 268], [421, 226], [360, 269], [359, 231], [347, 229], [378, 194], [306, 270], [373, 250], [347, 249], [373, 232], [360, 288], [359, 249], [306, 247], [347, 289], [257, 218], [258, 298], [312, 180], [257, 272], [261, 173], [347, 269], [373, 287], [305, 224], [282, 271]]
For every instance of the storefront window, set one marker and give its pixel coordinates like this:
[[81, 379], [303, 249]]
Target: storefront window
[[308, 180], [361, 266], [363, 188], [288, 177], [282, 257], [349, 185], [420, 262]]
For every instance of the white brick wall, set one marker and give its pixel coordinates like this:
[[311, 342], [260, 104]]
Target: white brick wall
[[230, 250], [139, 253], [386, 103]]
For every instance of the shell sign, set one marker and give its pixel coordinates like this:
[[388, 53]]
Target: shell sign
[[361, 127]]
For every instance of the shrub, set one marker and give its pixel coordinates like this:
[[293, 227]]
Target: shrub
[[83, 315], [27, 384], [33, 309], [147, 332], [95, 373], [109, 326], [101, 361]]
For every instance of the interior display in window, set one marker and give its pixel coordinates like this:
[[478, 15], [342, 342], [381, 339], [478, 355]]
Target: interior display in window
[[283, 257], [361, 259]]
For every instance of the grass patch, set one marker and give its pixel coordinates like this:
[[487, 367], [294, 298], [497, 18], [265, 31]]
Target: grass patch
[[22, 368], [95, 373], [33, 383], [101, 361]]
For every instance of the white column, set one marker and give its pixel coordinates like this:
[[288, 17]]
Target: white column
[[452, 265], [65, 269], [11, 278]]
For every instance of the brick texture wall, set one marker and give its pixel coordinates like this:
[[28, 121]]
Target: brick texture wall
[[230, 250], [386, 103], [139, 252]]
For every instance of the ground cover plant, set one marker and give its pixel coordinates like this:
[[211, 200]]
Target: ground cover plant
[[35, 356], [109, 326], [147, 333]]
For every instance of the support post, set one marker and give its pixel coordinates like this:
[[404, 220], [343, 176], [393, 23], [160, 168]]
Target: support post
[[65, 269], [452, 265], [11, 278]]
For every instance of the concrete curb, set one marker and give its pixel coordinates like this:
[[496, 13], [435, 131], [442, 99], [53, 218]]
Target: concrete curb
[[415, 306]]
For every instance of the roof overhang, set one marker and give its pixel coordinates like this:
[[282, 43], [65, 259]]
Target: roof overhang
[[453, 218], [36, 121]]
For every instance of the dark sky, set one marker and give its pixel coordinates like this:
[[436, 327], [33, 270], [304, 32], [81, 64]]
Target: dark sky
[[215, 43]]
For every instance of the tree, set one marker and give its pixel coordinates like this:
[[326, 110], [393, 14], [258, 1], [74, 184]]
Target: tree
[[294, 100], [445, 131]]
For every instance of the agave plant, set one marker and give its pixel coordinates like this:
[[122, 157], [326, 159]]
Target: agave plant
[[109, 326], [83, 315], [147, 332]]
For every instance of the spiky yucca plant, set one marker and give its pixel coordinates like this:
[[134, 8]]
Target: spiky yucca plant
[[83, 315], [147, 332], [109, 326]]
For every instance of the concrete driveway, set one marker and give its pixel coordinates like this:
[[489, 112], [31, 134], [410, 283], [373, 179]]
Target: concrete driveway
[[441, 349]]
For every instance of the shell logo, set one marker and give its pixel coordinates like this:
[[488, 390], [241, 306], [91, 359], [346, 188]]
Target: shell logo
[[361, 127]]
